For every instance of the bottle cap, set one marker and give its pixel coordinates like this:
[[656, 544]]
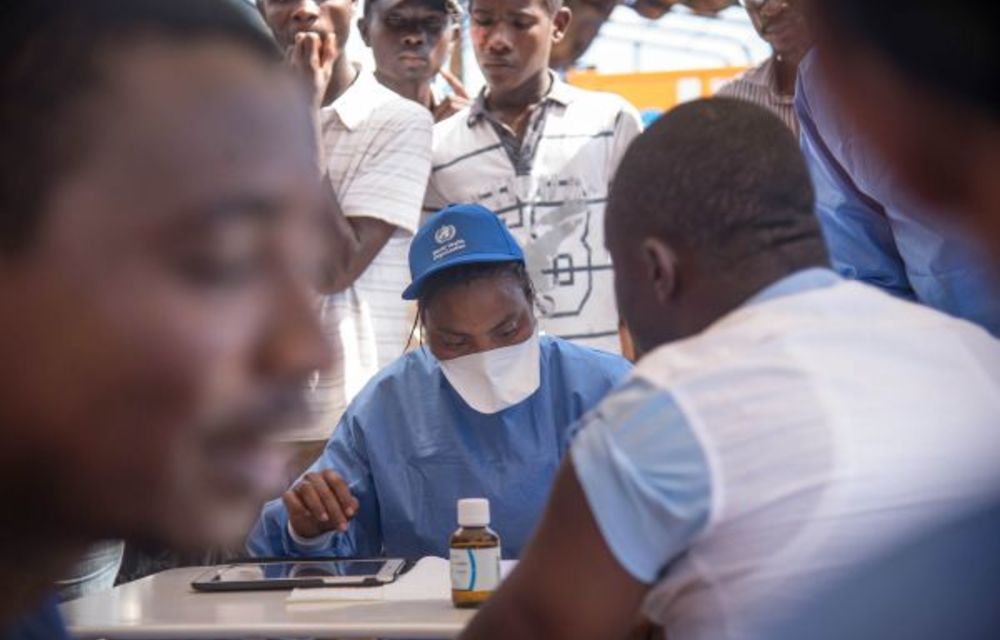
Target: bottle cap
[[473, 512]]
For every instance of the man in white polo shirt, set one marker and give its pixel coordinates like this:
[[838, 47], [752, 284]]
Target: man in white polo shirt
[[783, 425], [375, 148], [541, 154]]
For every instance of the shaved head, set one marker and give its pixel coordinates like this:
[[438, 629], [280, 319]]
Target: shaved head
[[721, 177], [716, 197]]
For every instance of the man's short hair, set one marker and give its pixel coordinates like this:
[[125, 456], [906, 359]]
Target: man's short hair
[[50, 51], [721, 178], [950, 46]]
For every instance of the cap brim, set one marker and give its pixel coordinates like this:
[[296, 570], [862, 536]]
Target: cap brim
[[412, 292]]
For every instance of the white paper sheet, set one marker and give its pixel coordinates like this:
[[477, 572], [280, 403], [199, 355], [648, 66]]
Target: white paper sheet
[[429, 579]]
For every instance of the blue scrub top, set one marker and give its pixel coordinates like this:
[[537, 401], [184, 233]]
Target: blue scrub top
[[409, 448]]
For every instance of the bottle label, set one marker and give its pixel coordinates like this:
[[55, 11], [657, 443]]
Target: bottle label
[[475, 569]]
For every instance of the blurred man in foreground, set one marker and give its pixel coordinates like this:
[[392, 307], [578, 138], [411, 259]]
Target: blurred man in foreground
[[157, 214]]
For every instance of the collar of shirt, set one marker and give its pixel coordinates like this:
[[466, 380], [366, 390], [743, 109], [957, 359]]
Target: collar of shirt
[[559, 92], [354, 105], [765, 76], [798, 282]]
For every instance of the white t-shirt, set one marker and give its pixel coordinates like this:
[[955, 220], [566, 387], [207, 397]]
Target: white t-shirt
[[744, 469], [551, 190], [377, 149]]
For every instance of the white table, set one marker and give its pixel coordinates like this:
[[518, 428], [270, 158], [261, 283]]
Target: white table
[[164, 606]]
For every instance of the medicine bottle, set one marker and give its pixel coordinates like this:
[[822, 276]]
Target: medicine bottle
[[475, 555]]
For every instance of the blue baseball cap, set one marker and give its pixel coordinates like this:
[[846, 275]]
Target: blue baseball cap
[[458, 234]]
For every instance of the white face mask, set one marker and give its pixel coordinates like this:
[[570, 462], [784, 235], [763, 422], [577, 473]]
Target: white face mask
[[491, 381]]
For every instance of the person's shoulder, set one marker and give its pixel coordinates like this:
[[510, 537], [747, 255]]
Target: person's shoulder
[[395, 378], [883, 305], [454, 137], [598, 104], [455, 125], [605, 112], [734, 88], [594, 359], [455, 122], [385, 106], [416, 362]]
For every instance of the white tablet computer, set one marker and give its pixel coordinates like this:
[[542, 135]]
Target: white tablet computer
[[283, 574]]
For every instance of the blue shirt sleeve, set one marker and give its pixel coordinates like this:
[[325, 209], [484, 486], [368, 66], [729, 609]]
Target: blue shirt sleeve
[[645, 476], [856, 228], [43, 624], [345, 454], [617, 370]]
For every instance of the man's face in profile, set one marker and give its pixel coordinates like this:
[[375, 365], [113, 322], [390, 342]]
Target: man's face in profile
[[160, 325]]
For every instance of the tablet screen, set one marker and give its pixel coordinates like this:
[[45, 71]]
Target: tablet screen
[[303, 569]]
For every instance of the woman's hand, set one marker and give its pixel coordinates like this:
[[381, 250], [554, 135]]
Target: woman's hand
[[320, 502]]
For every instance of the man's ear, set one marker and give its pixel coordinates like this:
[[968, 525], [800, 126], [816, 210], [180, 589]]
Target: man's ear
[[456, 33], [660, 264], [560, 23]]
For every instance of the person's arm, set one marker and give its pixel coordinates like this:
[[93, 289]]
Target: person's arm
[[434, 201], [631, 497], [568, 584], [384, 197], [857, 231], [352, 243], [345, 455]]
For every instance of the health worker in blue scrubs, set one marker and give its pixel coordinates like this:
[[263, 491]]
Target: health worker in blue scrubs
[[483, 409]]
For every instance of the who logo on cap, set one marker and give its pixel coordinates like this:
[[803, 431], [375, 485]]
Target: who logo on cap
[[444, 233], [459, 234]]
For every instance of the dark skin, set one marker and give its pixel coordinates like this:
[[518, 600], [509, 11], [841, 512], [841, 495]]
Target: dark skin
[[179, 340], [314, 35], [680, 293], [466, 318], [410, 40], [783, 25], [513, 41]]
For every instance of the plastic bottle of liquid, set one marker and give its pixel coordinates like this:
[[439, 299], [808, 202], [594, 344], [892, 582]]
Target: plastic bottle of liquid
[[475, 555]]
